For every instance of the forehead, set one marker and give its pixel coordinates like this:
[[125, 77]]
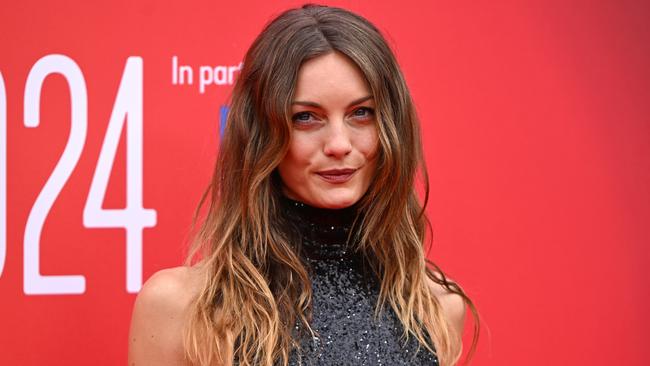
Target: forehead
[[329, 75]]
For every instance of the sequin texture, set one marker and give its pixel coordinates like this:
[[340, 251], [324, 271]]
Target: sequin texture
[[345, 292]]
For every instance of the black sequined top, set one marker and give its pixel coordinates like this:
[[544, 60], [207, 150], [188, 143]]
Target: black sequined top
[[345, 292]]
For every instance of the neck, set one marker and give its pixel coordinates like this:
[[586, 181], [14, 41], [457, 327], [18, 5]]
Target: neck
[[321, 216], [324, 232]]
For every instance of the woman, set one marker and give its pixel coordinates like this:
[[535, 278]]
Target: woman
[[311, 251]]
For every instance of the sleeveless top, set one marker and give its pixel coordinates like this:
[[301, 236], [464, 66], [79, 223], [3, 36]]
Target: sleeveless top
[[344, 294]]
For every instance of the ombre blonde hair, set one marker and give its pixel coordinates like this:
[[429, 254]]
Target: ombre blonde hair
[[256, 287]]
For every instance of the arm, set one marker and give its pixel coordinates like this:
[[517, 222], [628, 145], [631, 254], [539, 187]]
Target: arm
[[159, 314]]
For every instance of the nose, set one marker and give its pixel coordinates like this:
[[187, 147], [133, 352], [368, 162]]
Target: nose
[[338, 140]]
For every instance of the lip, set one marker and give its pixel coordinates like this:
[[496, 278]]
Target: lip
[[337, 176]]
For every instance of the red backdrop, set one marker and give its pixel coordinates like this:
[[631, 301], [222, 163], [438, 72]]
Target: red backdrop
[[536, 128]]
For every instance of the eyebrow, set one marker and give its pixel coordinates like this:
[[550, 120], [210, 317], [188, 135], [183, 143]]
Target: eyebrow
[[316, 105]]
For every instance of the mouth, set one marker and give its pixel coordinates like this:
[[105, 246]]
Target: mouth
[[337, 175]]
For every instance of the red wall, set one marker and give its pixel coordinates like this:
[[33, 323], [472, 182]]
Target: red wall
[[537, 133]]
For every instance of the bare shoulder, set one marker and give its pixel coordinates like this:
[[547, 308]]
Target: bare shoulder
[[453, 305], [159, 315]]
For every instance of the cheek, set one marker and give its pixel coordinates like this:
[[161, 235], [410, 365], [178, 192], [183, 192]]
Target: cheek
[[297, 158], [369, 143]]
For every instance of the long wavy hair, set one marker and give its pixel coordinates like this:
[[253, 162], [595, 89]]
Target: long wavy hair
[[256, 287]]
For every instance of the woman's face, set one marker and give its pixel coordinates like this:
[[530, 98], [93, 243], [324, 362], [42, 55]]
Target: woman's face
[[333, 147]]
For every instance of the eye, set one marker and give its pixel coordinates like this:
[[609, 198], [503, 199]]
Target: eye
[[363, 113], [301, 117]]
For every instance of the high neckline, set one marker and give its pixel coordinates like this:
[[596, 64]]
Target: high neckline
[[324, 232], [321, 216]]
